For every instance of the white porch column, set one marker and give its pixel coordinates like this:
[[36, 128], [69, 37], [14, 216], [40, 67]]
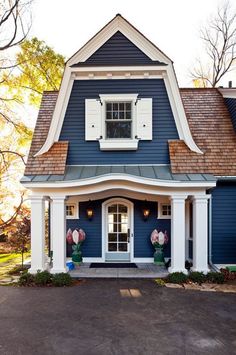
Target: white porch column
[[58, 221], [178, 234], [37, 234], [200, 233]]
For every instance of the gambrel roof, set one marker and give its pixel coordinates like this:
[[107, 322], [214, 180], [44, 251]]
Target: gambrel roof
[[209, 121]]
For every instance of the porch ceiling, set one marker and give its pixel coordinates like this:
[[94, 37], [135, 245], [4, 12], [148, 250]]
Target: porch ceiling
[[154, 172]]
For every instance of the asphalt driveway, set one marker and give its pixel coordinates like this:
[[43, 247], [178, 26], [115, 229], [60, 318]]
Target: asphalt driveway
[[116, 317]]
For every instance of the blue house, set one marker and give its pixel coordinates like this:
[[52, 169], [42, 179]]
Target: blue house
[[120, 151]]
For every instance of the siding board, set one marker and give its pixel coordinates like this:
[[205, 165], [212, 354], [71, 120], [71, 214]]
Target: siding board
[[150, 152], [224, 223]]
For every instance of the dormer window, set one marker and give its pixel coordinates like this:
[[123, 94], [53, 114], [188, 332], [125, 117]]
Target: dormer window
[[118, 120]]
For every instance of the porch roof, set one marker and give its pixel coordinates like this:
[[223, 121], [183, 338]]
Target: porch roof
[[154, 172]]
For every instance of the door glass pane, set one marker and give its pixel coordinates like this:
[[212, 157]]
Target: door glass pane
[[111, 228], [123, 237], [112, 246], [112, 209], [122, 246], [112, 237], [122, 208], [124, 228], [124, 218]]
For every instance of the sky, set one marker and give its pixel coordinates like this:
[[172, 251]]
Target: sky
[[173, 25]]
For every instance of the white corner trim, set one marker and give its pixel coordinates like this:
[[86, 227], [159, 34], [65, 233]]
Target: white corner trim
[[178, 110], [118, 97]]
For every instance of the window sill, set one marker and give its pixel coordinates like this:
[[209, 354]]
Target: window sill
[[111, 144]]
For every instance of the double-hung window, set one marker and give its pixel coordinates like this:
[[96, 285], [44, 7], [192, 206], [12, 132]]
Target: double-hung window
[[118, 121]]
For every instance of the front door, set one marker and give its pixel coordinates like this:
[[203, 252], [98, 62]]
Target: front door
[[118, 233]]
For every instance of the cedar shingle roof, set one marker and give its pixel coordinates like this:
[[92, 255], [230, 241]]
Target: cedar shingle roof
[[209, 121], [54, 161], [212, 130]]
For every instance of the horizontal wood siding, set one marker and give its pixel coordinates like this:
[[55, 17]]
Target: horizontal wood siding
[[149, 152], [231, 104], [224, 223], [92, 247], [118, 50]]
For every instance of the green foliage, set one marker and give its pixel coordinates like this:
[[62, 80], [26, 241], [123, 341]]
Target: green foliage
[[26, 279], [177, 278], [40, 69], [215, 277], [62, 279], [160, 282], [197, 277], [17, 270], [42, 278]]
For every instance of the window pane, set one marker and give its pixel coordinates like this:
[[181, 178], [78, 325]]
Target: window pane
[[109, 106], [122, 208], [109, 115], [115, 115], [123, 237], [124, 228], [115, 106], [112, 237], [128, 115], [128, 106], [121, 115], [121, 106], [112, 246], [118, 129], [122, 246], [112, 209]]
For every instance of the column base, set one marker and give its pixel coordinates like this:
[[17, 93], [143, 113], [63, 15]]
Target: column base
[[198, 269], [34, 271], [174, 269], [58, 271]]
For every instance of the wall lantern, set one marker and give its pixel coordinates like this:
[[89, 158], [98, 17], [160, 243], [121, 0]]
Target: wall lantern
[[89, 211], [146, 211]]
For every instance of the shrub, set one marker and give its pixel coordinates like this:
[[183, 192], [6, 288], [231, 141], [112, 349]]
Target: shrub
[[26, 279], [18, 270], [62, 279], [229, 276], [215, 277], [197, 277], [177, 278], [42, 278], [160, 282]]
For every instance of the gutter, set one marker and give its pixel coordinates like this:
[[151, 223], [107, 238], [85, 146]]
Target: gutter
[[212, 266]]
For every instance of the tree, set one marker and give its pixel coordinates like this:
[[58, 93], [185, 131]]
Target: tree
[[40, 68], [219, 39]]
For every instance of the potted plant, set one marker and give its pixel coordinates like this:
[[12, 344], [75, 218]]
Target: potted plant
[[76, 238], [159, 240]]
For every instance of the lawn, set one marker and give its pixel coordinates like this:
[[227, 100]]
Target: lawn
[[8, 262]]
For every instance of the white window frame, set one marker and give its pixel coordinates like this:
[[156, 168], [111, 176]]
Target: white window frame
[[160, 210], [114, 143], [76, 210]]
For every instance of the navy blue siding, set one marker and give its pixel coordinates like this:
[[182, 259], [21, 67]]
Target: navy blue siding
[[92, 247], [224, 223], [150, 152], [231, 104], [118, 50]]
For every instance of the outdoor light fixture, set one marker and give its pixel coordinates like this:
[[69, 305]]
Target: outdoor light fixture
[[146, 212], [89, 212]]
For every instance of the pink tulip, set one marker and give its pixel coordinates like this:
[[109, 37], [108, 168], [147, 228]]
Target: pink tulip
[[82, 235], [69, 236], [75, 236]]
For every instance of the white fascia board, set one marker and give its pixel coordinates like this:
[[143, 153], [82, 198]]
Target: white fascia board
[[120, 177], [178, 110], [118, 24], [228, 93]]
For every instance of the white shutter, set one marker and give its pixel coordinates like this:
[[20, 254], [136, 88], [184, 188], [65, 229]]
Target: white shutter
[[144, 119], [93, 119]]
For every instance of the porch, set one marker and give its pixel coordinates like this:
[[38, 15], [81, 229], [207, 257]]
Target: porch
[[120, 192], [143, 270]]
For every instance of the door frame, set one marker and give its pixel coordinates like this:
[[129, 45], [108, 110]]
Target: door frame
[[130, 206]]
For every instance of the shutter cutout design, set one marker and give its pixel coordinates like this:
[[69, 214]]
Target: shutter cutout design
[[144, 119], [93, 119]]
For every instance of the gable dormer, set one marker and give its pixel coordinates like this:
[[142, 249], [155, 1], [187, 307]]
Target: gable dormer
[[119, 51]]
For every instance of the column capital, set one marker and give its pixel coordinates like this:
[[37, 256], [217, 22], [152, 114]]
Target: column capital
[[58, 198], [179, 197], [38, 198], [200, 198]]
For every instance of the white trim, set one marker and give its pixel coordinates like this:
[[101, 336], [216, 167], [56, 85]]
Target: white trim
[[119, 177], [159, 210], [118, 97], [76, 209], [92, 260], [143, 260], [118, 144], [119, 24], [130, 206], [229, 93]]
